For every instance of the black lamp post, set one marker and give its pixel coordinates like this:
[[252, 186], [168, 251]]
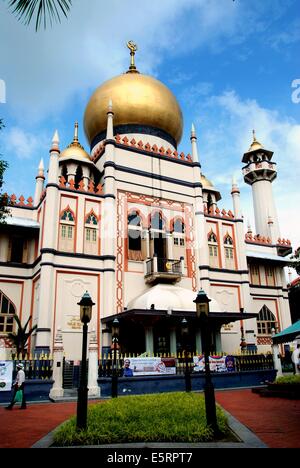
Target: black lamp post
[[115, 340], [187, 374], [86, 305], [202, 311]]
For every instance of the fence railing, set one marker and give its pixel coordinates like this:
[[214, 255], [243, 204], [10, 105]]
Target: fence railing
[[183, 364], [35, 368]]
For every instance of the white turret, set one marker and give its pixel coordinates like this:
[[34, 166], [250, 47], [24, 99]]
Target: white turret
[[39, 186], [260, 172], [235, 192], [110, 121]]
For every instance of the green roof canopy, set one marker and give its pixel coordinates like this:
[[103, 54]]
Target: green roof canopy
[[288, 334]]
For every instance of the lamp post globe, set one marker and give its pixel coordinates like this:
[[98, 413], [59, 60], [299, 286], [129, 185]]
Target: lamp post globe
[[202, 311], [115, 340], [86, 305]]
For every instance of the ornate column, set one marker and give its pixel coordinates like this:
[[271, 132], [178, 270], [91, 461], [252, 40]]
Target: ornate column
[[57, 390], [94, 389]]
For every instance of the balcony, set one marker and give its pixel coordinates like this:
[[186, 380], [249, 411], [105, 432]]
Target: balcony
[[163, 270]]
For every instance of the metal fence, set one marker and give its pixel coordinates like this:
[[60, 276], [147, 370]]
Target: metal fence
[[184, 363], [35, 367]]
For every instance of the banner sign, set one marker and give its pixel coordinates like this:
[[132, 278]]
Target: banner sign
[[152, 366], [6, 375], [216, 364]]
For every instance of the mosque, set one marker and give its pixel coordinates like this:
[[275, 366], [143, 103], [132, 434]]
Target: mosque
[[135, 222]]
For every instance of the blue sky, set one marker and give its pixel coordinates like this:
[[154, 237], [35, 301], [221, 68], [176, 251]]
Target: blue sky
[[231, 65]]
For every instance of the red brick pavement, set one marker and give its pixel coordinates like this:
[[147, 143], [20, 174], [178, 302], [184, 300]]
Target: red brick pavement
[[276, 421]]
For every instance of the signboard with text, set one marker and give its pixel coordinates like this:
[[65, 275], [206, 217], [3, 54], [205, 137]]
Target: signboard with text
[[216, 364], [6, 375], [152, 366]]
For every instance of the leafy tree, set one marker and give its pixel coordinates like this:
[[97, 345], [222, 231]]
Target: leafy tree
[[20, 338], [4, 199], [296, 258], [44, 10]]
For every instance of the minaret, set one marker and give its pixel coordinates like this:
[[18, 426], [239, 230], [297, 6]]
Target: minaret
[[200, 224], [48, 247], [235, 193], [260, 172], [39, 186]]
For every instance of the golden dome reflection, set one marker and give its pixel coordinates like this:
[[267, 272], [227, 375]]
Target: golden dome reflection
[[137, 99]]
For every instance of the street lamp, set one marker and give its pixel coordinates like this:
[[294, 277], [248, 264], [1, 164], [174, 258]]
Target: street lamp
[[187, 374], [115, 339], [86, 305], [202, 311]]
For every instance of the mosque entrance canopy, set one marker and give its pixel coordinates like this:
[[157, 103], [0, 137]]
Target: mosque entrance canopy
[[174, 316]]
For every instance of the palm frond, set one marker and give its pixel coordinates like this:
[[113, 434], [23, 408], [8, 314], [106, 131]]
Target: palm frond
[[44, 10]]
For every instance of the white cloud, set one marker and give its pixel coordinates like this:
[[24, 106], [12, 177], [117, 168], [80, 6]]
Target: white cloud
[[23, 144], [45, 71], [226, 125]]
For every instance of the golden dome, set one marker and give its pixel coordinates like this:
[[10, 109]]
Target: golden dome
[[255, 144], [207, 184], [75, 150], [137, 99]]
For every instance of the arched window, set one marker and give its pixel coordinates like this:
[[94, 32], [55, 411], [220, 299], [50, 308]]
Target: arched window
[[179, 226], [157, 221], [209, 202], [265, 321], [136, 240], [91, 234], [134, 219], [7, 312], [229, 253], [67, 230], [179, 249], [213, 249]]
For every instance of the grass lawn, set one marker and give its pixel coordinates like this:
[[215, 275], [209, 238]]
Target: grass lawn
[[167, 417]]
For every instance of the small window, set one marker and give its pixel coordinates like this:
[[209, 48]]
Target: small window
[[176, 241], [182, 242], [255, 276], [270, 276], [67, 216], [7, 311], [212, 237], [228, 240], [92, 219]]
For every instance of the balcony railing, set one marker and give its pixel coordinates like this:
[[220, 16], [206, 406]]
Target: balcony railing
[[163, 268]]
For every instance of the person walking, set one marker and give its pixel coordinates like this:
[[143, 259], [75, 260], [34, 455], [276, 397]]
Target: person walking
[[296, 359], [19, 384]]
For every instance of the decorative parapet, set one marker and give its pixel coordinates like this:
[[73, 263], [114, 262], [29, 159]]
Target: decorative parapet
[[82, 187], [257, 239], [146, 147], [215, 211], [21, 202], [284, 242], [98, 153]]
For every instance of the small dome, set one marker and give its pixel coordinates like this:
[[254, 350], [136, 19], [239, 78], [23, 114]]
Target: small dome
[[165, 297], [206, 183], [75, 150], [255, 144]]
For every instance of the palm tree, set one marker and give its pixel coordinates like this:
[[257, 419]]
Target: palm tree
[[20, 338], [44, 10]]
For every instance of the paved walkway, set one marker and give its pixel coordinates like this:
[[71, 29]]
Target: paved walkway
[[276, 421]]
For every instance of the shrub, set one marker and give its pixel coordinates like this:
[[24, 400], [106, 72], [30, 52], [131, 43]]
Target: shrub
[[168, 417], [288, 379]]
